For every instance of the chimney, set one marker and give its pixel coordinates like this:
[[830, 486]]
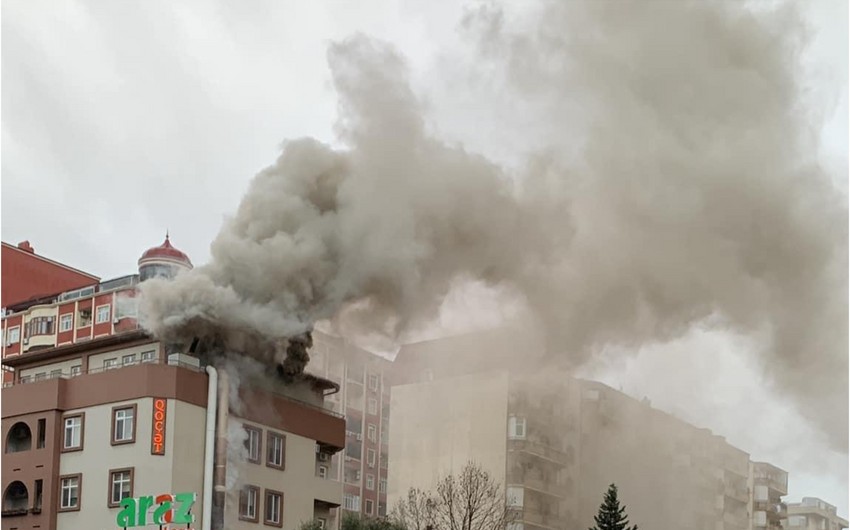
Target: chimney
[[25, 246]]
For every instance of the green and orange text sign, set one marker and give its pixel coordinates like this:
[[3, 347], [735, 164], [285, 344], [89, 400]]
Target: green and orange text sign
[[165, 509], [158, 426]]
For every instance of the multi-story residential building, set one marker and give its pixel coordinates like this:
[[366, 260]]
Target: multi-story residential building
[[554, 441], [101, 413], [768, 484], [364, 400], [813, 514]]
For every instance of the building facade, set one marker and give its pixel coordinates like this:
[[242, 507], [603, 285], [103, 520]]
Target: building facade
[[97, 412], [556, 442], [364, 400], [813, 514]]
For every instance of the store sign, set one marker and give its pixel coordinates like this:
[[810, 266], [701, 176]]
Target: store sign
[[158, 422], [165, 509]]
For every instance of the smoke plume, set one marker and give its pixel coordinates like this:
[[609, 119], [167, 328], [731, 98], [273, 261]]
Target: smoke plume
[[673, 183]]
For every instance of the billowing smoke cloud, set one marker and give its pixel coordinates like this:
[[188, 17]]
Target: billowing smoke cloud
[[674, 184]]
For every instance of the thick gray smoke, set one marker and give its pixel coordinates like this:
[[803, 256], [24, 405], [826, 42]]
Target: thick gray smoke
[[675, 183]]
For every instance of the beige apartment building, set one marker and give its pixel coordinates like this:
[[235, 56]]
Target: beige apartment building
[[813, 514], [557, 442], [118, 418]]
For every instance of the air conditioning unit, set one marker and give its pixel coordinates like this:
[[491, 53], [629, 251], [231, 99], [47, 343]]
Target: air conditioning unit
[[359, 437], [26, 341], [116, 320]]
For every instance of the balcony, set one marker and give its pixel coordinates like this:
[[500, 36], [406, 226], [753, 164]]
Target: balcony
[[736, 492], [542, 451], [537, 516]]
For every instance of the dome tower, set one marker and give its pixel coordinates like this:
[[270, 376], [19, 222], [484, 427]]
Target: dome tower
[[164, 261]]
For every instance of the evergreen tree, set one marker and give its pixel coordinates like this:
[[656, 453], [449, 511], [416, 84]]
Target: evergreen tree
[[611, 515]]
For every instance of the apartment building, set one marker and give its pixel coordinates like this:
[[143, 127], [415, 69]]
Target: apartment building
[[103, 426], [556, 442], [768, 484], [364, 400], [76, 445], [813, 514]]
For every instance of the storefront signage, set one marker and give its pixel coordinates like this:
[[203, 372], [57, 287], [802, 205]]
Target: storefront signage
[[165, 509], [158, 423]]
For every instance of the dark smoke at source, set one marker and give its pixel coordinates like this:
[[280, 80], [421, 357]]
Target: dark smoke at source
[[675, 184]]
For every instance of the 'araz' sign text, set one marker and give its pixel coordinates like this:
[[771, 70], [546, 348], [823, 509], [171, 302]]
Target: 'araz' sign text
[[168, 508]]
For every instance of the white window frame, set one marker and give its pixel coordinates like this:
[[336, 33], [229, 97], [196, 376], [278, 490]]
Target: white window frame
[[370, 482], [277, 499], [67, 486], [14, 335], [76, 427], [126, 417], [370, 457], [374, 380], [66, 318], [148, 356], [517, 428], [372, 432], [56, 374], [323, 471], [110, 364], [251, 494], [369, 506], [128, 360], [97, 313], [372, 403], [351, 502], [323, 523], [514, 496], [275, 451], [122, 482], [254, 448], [382, 486], [76, 370]]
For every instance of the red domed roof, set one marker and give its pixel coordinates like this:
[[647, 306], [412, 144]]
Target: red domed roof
[[166, 252]]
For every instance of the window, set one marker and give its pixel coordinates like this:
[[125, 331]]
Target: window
[[26, 379], [73, 437], [42, 438], [248, 503], [373, 381], [41, 376], [120, 485], [323, 471], [14, 335], [109, 364], [128, 359], [253, 443], [148, 356], [382, 487], [40, 326], [39, 495], [55, 374], [323, 523], [102, 314], [66, 322], [351, 502], [274, 508], [123, 425], [84, 318], [370, 457], [384, 460], [369, 506], [515, 496], [370, 482], [69, 492], [516, 428], [372, 432], [276, 452], [76, 370], [373, 406]]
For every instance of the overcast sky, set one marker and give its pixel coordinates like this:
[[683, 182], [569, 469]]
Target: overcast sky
[[123, 119]]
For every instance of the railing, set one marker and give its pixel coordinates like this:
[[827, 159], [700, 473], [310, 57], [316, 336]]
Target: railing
[[541, 450]]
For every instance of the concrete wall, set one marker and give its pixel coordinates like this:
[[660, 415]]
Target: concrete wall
[[96, 361], [298, 480], [179, 470], [437, 427]]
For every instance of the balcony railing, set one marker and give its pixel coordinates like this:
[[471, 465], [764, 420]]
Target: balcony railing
[[540, 450]]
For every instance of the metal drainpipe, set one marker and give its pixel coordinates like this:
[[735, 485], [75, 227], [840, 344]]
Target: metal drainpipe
[[209, 447], [220, 474]]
